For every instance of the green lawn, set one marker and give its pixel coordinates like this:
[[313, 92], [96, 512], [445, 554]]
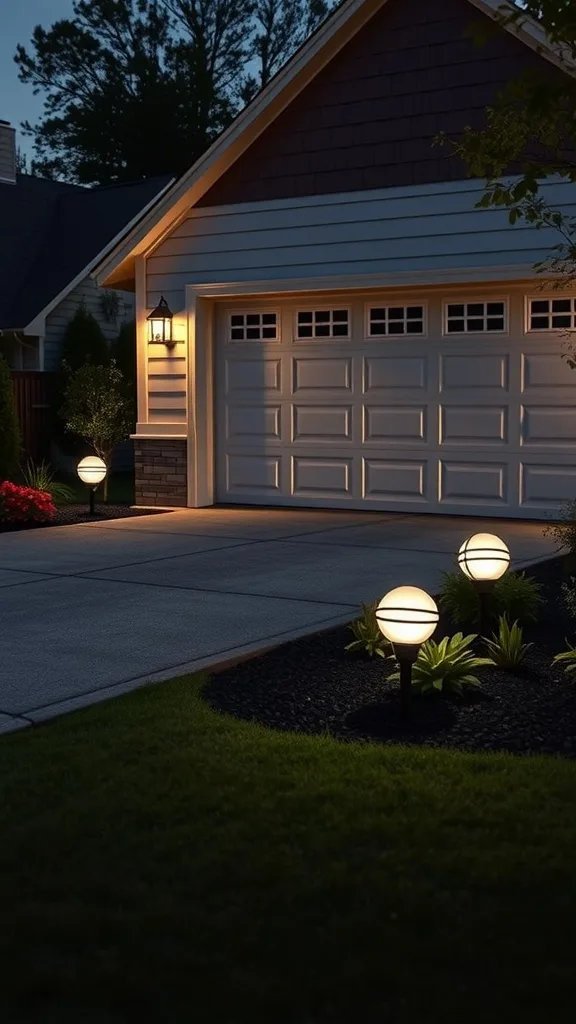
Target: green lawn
[[162, 863]]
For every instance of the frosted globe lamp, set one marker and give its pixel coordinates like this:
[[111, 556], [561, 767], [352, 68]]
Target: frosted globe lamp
[[484, 557], [92, 471], [407, 616]]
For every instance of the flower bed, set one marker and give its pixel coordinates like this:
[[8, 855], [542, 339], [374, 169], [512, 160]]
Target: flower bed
[[24, 505], [70, 515], [313, 685]]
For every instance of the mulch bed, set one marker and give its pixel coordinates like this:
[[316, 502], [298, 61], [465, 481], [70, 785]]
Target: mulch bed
[[71, 515], [314, 686]]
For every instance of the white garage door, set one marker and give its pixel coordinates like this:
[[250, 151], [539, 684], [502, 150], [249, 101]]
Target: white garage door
[[438, 406]]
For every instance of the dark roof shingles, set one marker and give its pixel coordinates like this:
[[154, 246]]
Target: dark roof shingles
[[50, 231]]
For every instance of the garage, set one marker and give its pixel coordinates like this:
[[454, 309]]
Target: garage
[[446, 403]]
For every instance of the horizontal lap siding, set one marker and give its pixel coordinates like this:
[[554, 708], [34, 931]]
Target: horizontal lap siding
[[393, 231], [167, 382], [88, 294], [369, 118]]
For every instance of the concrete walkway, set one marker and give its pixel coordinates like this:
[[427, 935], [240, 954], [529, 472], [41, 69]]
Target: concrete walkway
[[91, 611]]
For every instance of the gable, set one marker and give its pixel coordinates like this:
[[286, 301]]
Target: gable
[[368, 119]]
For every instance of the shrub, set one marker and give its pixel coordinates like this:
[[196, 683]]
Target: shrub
[[563, 533], [568, 659], [569, 596], [124, 352], [9, 429], [84, 342], [24, 504], [446, 666], [515, 595], [368, 637], [41, 478], [506, 648]]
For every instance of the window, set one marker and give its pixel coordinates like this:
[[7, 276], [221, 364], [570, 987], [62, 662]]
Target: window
[[253, 327], [391, 321], [322, 323], [551, 314], [475, 317]]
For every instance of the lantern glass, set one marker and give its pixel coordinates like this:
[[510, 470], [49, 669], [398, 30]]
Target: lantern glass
[[407, 615], [484, 557], [160, 320], [92, 470]]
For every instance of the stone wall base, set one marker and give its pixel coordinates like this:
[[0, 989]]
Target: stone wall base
[[161, 472]]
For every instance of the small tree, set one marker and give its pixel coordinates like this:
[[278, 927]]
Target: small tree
[[98, 409], [10, 442]]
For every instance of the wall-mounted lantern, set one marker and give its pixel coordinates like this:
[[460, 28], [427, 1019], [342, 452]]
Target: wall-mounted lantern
[[160, 320]]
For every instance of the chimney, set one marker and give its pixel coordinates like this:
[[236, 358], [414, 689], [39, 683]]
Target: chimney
[[7, 153]]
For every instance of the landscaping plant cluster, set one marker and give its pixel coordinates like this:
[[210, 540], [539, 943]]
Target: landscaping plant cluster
[[25, 504], [510, 690]]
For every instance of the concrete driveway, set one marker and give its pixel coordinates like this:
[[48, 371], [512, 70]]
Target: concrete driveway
[[91, 611]]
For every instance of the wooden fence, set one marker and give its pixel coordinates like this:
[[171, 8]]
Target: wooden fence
[[34, 394]]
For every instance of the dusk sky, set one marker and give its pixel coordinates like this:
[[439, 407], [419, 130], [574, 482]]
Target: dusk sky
[[17, 102]]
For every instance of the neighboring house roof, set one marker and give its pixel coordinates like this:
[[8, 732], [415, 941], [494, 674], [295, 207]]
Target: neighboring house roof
[[52, 235], [345, 21]]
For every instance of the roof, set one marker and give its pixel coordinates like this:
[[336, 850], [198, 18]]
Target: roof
[[331, 36], [52, 231]]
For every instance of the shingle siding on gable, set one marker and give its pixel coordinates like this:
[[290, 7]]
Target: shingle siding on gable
[[57, 321], [368, 120]]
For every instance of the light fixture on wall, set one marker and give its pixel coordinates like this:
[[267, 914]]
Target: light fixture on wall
[[92, 471], [160, 320], [407, 616], [484, 559]]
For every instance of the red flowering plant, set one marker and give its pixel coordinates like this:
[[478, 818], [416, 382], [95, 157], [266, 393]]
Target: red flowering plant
[[24, 504]]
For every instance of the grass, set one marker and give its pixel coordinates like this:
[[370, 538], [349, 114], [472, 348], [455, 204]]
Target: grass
[[164, 863]]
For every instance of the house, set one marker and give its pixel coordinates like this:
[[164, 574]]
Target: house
[[52, 235], [349, 330]]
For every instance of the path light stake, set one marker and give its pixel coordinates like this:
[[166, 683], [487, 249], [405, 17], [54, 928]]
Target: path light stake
[[92, 471], [407, 616], [484, 558]]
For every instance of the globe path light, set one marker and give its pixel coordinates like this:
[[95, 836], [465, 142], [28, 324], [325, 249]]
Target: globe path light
[[484, 559], [407, 617], [92, 471]]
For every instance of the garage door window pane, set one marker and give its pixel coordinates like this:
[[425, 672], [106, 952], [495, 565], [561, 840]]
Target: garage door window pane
[[251, 327], [391, 321], [552, 314], [475, 317], [322, 324]]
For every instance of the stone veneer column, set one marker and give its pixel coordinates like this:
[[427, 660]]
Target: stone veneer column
[[161, 471]]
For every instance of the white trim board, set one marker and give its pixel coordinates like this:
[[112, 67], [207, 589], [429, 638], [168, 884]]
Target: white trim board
[[323, 45]]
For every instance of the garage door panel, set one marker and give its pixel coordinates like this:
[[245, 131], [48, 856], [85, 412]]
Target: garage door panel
[[395, 479], [391, 373], [322, 423], [253, 376], [551, 426], [541, 370], [251, 423], [546, 486], [258, 474], [395, 424], [474, 483], [322, 477], [474, 372], [465, 425], [321, 374]]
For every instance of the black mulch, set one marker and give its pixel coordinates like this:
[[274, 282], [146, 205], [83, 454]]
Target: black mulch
[[71, 515], [314, 686]]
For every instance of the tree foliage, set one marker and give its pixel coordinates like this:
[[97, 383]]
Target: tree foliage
[[97, 407], [163, 76], [10, 441], [530, 132]]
